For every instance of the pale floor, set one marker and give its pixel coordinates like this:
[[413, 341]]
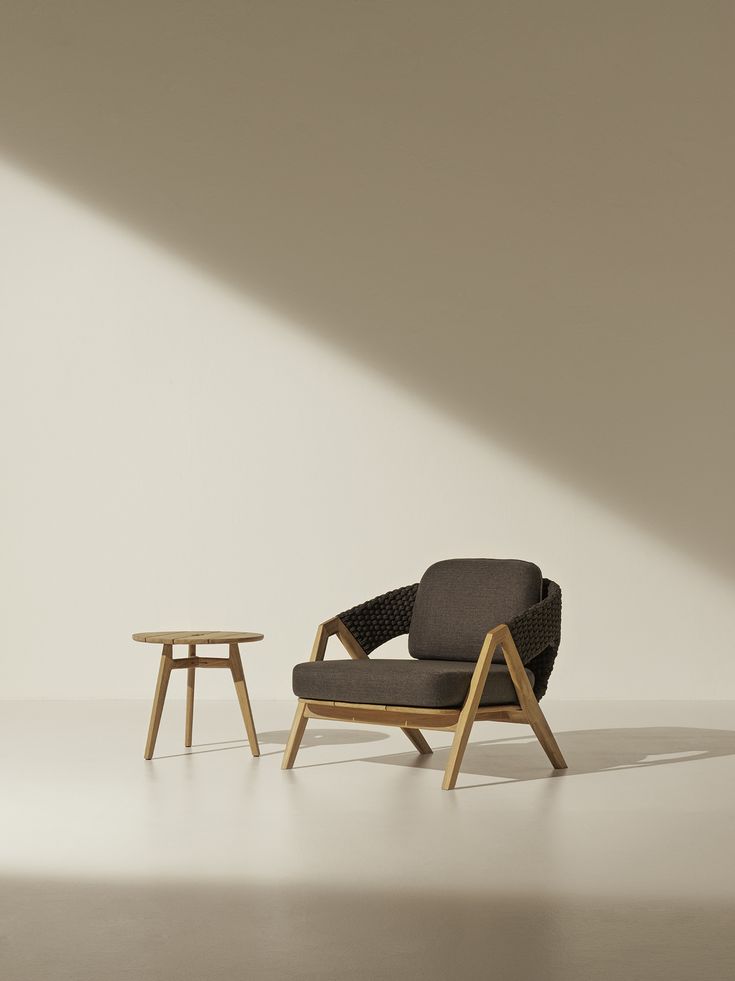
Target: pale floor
[[208, 865]]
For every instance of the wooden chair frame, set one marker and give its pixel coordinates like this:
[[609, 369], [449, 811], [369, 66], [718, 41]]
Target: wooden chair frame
[[411, 720]]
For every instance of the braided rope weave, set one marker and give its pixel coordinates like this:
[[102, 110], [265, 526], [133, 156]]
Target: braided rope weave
[[537, 633], [381, 619]]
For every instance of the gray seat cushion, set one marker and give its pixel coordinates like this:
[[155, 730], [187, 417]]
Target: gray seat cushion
[[459, 600], [384, 681]]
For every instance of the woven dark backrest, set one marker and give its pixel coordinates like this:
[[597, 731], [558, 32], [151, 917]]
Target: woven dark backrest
[[382, 618], [537, 633]]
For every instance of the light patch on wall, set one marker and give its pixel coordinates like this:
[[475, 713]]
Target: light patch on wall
[[182, 456]]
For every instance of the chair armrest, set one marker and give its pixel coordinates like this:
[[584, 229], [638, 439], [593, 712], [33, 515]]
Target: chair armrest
[[364, 627], [328, 629], [539, 627], [380, 619], [323, 632]]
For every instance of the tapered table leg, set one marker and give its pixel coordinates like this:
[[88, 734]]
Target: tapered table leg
[[190, 677], [238, 676], [159, 698]]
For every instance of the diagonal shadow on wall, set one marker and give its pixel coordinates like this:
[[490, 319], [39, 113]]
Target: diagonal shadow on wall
[[521, 211]]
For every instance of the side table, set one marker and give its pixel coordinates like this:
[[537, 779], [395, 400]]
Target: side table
[[168, 663]]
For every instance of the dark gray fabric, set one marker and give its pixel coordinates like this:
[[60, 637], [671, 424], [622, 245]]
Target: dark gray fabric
[[384, 681], [459, 600]]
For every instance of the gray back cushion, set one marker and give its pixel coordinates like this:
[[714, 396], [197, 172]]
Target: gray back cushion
[[459, 600]]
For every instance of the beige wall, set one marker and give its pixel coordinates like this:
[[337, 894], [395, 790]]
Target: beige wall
[[300, 297]]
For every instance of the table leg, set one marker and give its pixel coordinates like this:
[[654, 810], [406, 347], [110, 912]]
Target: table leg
[[238, 676], [190, 676], [164, 672]]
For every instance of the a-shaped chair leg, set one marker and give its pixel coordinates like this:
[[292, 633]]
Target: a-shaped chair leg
[[323, 632], [529, 704], [295, 736], [456, 754], [469, 710]]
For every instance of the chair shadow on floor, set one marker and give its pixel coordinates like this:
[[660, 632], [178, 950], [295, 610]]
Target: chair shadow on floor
[[322, 737], [517, 759], [312, 737]]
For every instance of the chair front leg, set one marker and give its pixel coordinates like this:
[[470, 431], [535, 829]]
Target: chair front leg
[[469, 711], [295, 736], [323, 632]]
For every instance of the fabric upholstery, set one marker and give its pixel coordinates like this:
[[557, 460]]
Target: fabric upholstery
[[385, 681], [459, 600]]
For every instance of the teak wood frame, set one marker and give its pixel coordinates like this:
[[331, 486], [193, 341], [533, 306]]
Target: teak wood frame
[[170, 663], [411, 719]]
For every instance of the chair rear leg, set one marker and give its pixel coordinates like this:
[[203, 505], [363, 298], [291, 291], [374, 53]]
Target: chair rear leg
[[469, 711], [418, 740], [296, 735]]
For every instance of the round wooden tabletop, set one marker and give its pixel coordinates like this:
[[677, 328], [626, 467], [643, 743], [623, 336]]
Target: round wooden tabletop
[[197, 637]]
